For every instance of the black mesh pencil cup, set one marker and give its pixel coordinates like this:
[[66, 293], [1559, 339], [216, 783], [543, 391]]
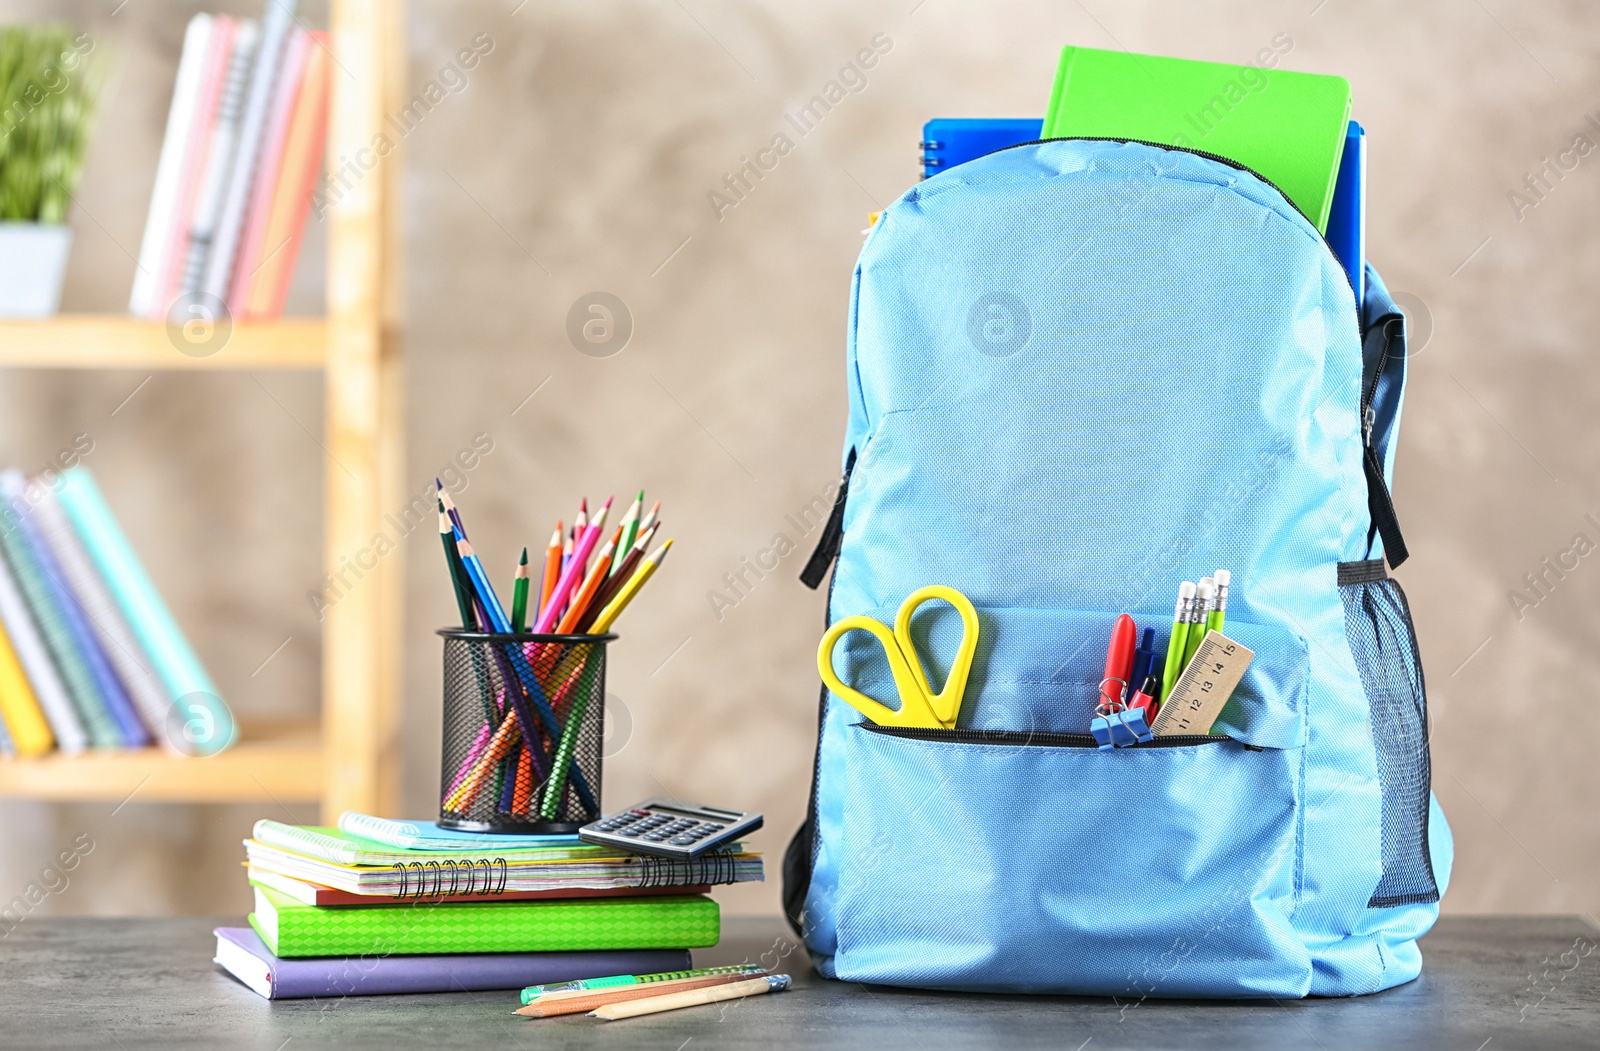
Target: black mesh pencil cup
[[524, 720]]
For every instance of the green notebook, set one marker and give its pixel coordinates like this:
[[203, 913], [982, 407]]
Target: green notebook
[[291, 928], [1287, 126]]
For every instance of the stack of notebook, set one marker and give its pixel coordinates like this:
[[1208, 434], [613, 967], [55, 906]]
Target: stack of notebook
[[378, 906], [238, 167], [90, 657]]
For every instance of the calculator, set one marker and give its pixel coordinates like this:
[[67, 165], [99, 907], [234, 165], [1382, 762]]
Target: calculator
[[668, 828]]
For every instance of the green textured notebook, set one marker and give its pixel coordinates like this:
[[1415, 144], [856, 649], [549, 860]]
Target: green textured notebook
[[291, 928], [1288, 126]]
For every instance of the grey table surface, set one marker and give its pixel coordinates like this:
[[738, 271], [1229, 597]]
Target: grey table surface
[[1488, 984]]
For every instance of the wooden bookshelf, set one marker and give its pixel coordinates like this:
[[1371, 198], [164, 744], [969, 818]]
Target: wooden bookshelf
[[88, 341], [347, 759], [270, 763]]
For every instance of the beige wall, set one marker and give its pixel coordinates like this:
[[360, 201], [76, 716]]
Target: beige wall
[[579, 158]]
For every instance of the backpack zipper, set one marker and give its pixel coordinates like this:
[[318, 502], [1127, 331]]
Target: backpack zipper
[[1040, 739], [1217, 157]]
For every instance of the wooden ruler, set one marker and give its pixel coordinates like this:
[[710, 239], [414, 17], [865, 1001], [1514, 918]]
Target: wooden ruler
[[1204, 687]]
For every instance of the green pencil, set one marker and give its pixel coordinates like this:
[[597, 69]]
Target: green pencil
[[1219, 608], [1180, 635], [1204, 595], [519, 596], [630, 529]]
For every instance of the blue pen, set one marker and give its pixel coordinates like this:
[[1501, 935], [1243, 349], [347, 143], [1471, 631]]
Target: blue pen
[[1143, 660]]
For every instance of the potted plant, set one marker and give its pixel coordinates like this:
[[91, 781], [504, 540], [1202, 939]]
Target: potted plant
[[47, 96]]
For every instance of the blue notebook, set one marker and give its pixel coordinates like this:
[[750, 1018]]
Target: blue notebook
[[427, 835], [949, 141], [1347, 215]]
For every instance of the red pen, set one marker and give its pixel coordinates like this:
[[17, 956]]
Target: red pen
[[1145, 699], [1119, 662]]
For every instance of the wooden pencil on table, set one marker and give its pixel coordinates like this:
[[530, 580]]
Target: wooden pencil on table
[[583, 1000], [772, 983]]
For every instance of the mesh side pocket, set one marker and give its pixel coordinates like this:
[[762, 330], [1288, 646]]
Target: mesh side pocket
[[1383, 641]]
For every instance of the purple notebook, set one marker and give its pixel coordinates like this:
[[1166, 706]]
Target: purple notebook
[[241, 953]]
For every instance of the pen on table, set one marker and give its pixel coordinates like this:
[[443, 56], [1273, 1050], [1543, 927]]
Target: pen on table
[[519, 595], [1180, 632], [773, 983], [1219, 608]]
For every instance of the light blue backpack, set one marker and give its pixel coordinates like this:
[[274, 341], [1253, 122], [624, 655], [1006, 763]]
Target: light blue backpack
[[1081, 371]]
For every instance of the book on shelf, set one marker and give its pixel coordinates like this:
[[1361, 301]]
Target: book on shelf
[[243, 145], [89, 654]]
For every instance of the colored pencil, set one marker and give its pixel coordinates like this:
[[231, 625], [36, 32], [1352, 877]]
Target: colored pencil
[[589, 999], [570, 576], [450, 506], [650, 519], [630, 528], [579, 524], [618, 578], [614, 608], [552, 570], [519, 595], [452, 561], [598, 574], [773, 983]]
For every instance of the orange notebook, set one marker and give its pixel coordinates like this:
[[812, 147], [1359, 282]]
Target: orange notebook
[[297, 180]]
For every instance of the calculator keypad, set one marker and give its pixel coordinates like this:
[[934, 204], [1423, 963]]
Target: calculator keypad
[[651, 832]]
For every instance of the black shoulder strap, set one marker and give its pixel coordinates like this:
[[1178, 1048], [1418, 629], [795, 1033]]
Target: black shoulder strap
[[1385, 337], [832, 533]]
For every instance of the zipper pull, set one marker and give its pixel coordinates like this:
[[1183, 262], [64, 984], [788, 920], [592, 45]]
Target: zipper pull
[[1369, 420]]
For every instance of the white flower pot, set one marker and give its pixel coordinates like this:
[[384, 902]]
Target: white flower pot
[[33, 264]]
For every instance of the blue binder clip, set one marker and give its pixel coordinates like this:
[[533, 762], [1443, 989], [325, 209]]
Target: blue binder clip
[[1115, 725], [1120, 729]]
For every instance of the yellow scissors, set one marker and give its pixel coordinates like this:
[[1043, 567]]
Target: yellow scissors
[[919, 705]]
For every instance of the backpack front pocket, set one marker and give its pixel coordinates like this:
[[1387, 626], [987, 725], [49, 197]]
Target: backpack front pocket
[[994, 859], [1156, 870]]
